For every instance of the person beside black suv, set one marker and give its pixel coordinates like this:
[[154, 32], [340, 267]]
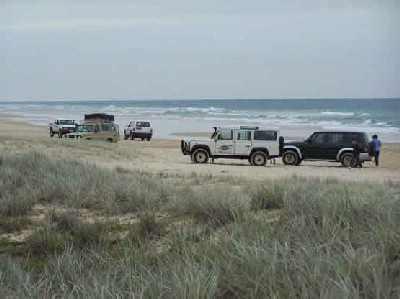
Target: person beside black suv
[[331, 146]]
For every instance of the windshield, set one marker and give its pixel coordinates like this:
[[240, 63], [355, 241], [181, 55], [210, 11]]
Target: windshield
[[86, 128], [106, 127], [66, 122]]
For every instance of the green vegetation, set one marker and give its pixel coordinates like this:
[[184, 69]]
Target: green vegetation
[[194, 237]]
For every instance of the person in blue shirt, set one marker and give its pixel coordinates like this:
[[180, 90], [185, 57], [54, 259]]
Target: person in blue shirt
[[376, 146]]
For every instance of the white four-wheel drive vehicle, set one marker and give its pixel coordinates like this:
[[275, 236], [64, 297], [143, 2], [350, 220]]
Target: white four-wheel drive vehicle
[[61, 127], [138, 129], [251, 143]]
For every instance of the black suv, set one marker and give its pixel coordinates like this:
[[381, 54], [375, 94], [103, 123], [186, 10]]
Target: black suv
[[332, 146]]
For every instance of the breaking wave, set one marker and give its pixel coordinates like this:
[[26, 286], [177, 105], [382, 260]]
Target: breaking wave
[[173, 116]]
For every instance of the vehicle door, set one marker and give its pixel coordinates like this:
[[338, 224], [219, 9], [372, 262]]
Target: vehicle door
[[97, 134], [243, 142], [106, 131], [224, 142], [266, 139], [317, 146], [335, 144]]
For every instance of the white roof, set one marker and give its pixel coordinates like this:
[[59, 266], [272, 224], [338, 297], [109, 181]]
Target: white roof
[[248, 128]]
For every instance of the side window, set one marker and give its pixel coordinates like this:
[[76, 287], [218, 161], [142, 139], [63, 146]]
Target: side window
[[106, 127], [348, 138], [338, 138], [265, 135], [320, 138], [225, 135], [243, 135]]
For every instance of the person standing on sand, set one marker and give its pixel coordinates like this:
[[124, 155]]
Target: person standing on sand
[[376, 144], [355, 162]]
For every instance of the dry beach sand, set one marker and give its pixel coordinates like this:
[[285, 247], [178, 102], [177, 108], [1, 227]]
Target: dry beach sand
[[164, 156]]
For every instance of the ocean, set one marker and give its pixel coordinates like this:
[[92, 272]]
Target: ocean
[[295, 118]]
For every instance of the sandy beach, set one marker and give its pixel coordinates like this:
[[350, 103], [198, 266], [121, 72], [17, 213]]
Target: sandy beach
[[164, 156]]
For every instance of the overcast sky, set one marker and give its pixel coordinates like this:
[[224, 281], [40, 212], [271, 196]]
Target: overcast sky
[[179, 49]]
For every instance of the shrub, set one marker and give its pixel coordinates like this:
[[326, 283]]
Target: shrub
[[146, 229], [216, 205], [27, 179], [267, 196]]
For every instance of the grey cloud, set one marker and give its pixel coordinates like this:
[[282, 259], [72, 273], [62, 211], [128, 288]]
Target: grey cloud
[[191, 49]]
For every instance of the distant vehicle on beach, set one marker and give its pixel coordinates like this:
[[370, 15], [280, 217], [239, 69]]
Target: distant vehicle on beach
[[97, 126], [61, 127], [251, 143], [331, 146], [138, 129]]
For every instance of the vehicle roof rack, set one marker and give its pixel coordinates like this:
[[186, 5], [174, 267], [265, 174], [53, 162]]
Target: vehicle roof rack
[[99, 117]]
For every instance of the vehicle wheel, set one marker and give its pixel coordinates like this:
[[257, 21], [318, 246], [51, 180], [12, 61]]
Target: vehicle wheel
[[51, 133], [132, 137], [148, 138], [290, 157], [346, 159], [142, 139], [200, 156], [258, 158]]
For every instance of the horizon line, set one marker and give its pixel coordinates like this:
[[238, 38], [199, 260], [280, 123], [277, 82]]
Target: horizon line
[[196, 99]]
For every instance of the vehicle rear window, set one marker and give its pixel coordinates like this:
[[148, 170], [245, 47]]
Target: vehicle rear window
[[66, 122], [359, 137], [144, 124], [265, 135]]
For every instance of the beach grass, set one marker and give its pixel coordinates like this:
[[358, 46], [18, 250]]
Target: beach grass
[[107, 233]]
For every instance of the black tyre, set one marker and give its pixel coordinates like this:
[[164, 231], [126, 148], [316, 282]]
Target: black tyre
[[200, 156], [51, 133], [290, 157], [346, 159], [148, 138], [258, 158]]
